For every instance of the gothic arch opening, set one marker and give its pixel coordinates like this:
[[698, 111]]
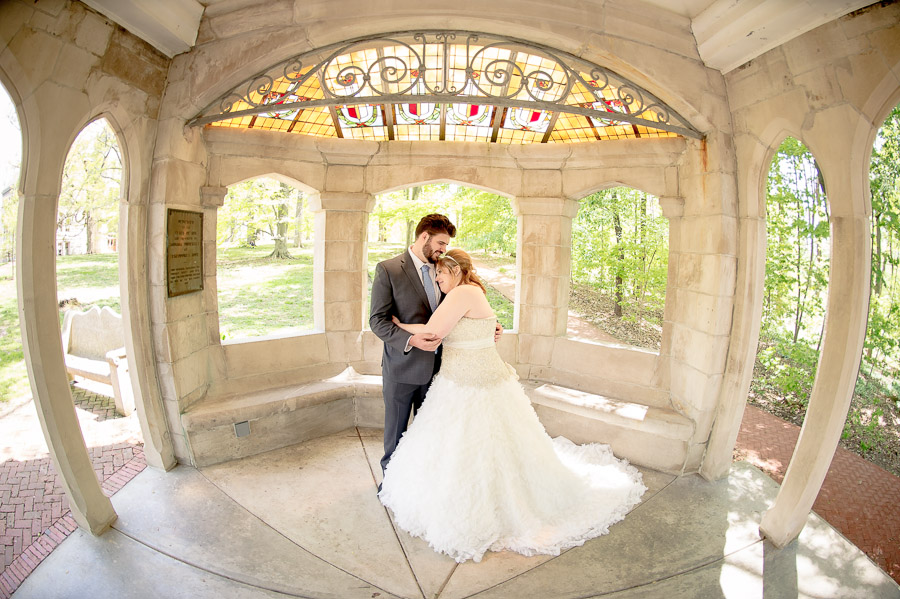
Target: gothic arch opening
[[620, 256], [264, 260], [798, 252]]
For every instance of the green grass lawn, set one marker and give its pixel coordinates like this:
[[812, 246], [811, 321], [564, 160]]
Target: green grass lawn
[[257, 296], [260, 296], [91, 280]]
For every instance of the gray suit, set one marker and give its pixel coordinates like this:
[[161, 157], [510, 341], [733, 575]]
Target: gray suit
[[397, 291]]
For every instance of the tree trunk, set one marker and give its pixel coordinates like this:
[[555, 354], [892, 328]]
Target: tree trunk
[[617, 224], [298, 223], [281, 228], [412, 195], [88, 232], [878, 271]]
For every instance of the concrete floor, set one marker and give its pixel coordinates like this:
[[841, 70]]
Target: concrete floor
[[304, 521]]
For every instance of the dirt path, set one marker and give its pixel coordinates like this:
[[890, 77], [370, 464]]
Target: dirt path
[[577, 328]]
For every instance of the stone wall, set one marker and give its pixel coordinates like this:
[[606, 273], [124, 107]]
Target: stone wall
[[64, 65], [544, 183], [830, 88]]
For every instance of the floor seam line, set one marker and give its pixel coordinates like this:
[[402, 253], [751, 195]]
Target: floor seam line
[[674, 575], [285, 537], [208, 570], [553, 558], [391, 520]]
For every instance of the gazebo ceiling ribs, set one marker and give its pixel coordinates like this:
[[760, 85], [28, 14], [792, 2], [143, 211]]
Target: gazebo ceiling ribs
[[446, 85]]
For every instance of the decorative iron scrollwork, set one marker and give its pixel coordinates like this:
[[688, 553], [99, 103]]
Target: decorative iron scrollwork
[[433, 67]]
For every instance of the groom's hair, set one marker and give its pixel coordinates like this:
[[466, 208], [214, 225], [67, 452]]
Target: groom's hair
[[434, 224]]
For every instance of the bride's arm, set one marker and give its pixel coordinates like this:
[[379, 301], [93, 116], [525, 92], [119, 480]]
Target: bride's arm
[[409, 328], [454, 306]]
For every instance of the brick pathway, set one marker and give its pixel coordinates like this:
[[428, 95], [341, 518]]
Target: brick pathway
[[34, 511], [858, 498]]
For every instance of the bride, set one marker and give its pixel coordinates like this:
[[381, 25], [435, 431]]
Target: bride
[[476, 471]]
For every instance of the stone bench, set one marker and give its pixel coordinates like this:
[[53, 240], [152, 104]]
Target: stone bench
[[280, 417], [94, 347], [648, 436]]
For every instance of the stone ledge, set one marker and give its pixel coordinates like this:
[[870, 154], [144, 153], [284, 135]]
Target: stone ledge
[[645, 435], [280, 417]]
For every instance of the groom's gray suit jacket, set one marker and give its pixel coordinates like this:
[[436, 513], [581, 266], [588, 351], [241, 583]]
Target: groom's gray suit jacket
[[397, 291]]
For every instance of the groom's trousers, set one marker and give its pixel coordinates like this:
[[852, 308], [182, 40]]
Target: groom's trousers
[[400, 399]]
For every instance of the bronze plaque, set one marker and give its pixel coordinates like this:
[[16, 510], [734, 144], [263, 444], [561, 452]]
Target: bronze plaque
[[184, 252]]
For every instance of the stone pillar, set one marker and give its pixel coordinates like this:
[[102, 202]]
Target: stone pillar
[[339, 269], [543, 260], [179, 325], [211, 199], [158, 448], [742, 351], [42, 345], [838, 368]]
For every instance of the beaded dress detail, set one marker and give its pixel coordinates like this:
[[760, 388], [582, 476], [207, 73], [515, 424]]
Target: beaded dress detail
[[477, 472]]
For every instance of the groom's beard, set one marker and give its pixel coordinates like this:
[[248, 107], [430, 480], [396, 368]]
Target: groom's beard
[[430, 254]]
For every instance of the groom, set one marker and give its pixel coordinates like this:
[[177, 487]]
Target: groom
[[405, 287]]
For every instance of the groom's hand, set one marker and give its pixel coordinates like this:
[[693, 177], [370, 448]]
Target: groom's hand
[[498, 332], [425, 341]]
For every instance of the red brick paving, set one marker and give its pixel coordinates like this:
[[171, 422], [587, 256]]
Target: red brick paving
[[34, 510], [858, 498]]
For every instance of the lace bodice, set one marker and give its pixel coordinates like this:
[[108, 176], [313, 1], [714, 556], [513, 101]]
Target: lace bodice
[[470, 355]]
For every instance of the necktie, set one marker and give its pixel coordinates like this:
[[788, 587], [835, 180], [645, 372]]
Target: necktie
[[429, 287]]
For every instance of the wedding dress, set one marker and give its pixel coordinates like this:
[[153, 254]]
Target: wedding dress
[[476, 471]]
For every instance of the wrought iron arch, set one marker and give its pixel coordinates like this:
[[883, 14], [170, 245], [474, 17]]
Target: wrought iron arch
[[456, 85]]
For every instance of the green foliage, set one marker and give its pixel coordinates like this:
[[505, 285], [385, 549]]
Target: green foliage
[[798, 245], [485, 221], [263, 210], [620, 246], [883, 334], [788, 370], [8, 216], [91, 185], [796, 289], [13, 375], [503, 308]]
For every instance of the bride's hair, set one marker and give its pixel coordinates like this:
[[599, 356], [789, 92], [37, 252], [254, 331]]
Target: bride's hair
[[457, 258]]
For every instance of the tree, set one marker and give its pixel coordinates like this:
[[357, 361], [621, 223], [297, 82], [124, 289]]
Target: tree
[[883, 334], [400, 211], [264, 207], [620, 248], [798, 247], [278, 228], [485, 221], [91, 187]]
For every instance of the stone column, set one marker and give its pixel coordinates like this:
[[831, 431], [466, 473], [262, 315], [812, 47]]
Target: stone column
[[339, 269], [543, 260], [158, 448], [42, 345], [845, 330], [211, 198]]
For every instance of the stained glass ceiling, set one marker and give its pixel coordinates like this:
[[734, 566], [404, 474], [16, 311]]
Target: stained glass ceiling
[[445, 85]]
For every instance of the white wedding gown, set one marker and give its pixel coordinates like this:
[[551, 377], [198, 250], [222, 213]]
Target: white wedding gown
[[476, 471]]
